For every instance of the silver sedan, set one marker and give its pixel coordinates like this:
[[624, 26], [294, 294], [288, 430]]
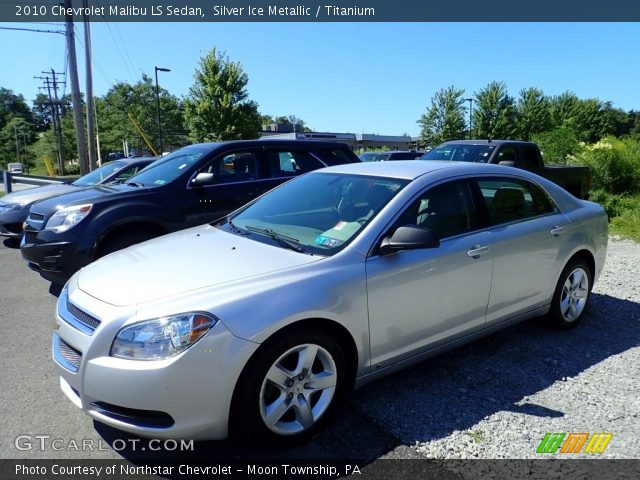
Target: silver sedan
[[256, 325]]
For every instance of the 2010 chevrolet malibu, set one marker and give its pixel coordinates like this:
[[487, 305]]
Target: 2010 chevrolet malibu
[[258, 324]]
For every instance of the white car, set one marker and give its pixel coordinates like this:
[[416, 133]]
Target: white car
[[259, 323]]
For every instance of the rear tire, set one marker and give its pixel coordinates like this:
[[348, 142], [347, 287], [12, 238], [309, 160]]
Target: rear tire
[[571, 296], [289, 389]]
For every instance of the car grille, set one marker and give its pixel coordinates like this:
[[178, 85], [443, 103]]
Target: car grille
[[83, 317], [30, 237], [70, 354]]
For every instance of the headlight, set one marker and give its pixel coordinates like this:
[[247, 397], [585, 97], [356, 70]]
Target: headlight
[[162, 337], [67, 217]]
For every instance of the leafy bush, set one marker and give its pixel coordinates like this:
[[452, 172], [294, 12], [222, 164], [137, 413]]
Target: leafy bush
[[614, 164], [558, 144]]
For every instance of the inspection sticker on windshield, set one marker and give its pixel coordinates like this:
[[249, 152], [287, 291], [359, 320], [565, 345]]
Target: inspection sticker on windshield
[[327, 241]]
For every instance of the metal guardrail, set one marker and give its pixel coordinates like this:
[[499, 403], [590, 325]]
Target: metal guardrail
[[37, 180]]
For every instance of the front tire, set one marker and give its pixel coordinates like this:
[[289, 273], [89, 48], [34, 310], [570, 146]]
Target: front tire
[[289, 389], [572, 294]]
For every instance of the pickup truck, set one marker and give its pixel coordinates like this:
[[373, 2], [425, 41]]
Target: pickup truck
[[525, 155], [191, 186]]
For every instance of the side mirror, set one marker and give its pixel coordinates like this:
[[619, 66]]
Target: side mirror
[[409, 237], [203, 178], [507, 163]]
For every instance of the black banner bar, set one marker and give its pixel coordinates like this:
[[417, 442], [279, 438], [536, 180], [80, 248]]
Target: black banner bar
[[316, 469], [326, 11]]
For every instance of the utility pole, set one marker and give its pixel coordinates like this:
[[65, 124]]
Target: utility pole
[[75, 90], [54, 106], [15, 129], [159, 69], [91, 130]]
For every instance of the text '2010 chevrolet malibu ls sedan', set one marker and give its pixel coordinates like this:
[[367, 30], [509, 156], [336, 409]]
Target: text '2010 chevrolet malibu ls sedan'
[[257, 324]]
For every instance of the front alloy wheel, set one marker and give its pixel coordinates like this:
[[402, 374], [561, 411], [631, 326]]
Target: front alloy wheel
[[298, 389], [289, 388]]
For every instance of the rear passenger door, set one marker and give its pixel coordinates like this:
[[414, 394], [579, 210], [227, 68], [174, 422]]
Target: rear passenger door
[[282, 164], [526, 229]]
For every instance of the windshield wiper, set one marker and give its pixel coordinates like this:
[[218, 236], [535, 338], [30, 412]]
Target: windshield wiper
[[134, 184], [284, 240], [235, 228]]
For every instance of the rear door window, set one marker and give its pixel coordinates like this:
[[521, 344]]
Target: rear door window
[[509, 200], [287, 163], [334, 156]]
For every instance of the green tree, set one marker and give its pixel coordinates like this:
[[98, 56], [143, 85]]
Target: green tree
[[15, 137], [138, 100], [533, 113], [558, 145], [218, 105], [495, 113], [444, 119], [12, 105]]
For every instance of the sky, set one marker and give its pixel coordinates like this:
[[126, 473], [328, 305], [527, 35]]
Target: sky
[[347, 77]]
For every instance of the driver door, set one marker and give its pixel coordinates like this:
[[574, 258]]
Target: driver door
[[422, 298]]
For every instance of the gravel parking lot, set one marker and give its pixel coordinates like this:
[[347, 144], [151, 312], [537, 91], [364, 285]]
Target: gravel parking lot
[[494, 398]]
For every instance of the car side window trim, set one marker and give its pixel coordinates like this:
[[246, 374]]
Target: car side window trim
[[373, 251], [484, 208]]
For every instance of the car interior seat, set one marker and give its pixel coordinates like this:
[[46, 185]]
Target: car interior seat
[[508, 205]]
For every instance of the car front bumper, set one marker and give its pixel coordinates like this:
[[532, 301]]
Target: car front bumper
[[56, 261], [11, 223], [186, 396]]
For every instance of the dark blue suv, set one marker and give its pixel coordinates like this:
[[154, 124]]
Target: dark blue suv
[[191, 186]]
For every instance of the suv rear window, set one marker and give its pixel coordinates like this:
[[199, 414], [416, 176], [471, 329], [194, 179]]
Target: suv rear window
[[335, 156]]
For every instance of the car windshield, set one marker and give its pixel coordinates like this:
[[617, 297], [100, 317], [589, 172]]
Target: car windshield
[[168, 168], [369, 157], [319, 213], [98, 175], [459, 152]]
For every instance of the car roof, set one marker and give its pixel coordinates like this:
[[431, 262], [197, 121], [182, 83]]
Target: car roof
[[485, 142], [412, 169]]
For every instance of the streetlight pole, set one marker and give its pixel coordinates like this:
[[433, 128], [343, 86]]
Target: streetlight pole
[[470, 100], [159, 69]]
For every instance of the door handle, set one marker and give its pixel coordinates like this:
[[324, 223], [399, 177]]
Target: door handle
[[557, 231], [477, 250]]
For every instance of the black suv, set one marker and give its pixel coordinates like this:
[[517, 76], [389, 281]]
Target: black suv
[[191, 186]]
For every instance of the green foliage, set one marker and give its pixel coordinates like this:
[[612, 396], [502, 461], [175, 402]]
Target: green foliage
[[218, 105], [444, 119], [494, 115], [614, 164], [15, 138], [12, 105], [623, 212], [533, 113], [558, 145], [139, 100]]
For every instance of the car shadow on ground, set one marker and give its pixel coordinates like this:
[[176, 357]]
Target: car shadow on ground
[[12, 243], [453, 391]]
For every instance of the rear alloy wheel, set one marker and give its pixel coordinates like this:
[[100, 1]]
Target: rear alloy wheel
[[572, 295], [290, 388]]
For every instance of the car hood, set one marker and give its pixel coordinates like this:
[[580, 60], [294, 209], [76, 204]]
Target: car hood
[[182, 262], [26, 197], [80, 195]]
